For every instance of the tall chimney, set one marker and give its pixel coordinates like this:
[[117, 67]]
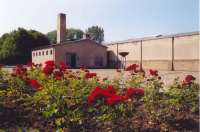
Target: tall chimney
[[61, 28]]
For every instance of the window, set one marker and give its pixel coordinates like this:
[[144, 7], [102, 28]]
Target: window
[[36, 53], [51, 52], [39, 53], [33, 53], [47, 52], [42, 52]]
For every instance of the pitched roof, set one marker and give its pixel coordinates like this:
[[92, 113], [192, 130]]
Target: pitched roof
[[153, 38], [69, 42]]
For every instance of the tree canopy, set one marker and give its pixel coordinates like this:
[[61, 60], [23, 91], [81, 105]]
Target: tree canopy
[[16, 46], [71, 34], [96, 33]]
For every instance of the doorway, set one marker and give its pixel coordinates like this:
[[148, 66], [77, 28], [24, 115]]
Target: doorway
[[71, 59]]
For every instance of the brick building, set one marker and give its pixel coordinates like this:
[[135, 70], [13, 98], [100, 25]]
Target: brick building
[[78, 53]]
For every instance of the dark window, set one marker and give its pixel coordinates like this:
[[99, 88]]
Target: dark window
[[36, 53], [51, 52], [33, 54], [98, 61], [42, 52], [39, 53], [47, 52]]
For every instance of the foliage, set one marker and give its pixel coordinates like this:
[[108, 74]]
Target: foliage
[[172, 106], [60, 98], [74, 34], [71, 34], [52, 36], [14, 44], [96, 33]]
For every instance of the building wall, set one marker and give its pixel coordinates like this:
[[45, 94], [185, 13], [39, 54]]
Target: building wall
[[186, 53], [39, 58], [133, 49], [158, 53], [85, 53]]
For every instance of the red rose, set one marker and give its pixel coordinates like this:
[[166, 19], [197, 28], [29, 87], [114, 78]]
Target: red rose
[[58, 75], [189, 79], [91, 99], [19, 71], [47, 70], [34, 84], [90, 75], [63, 66], [50, 63], [153, 72], [130, 92], [94, 94], [134, 91], [109, 91], [140, 91], [132, 67], [49, 67], [114, 99]]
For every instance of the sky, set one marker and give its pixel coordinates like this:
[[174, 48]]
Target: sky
[[120, 19]]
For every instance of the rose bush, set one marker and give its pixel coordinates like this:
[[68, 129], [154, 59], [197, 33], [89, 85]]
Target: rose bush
[[54, 97]]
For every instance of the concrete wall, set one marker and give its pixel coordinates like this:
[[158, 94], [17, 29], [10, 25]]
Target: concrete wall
[[85, 51], [133, 49], [42, 55], [186, 53], [157, 53]]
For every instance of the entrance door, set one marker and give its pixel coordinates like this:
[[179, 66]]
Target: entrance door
[[71, 59]]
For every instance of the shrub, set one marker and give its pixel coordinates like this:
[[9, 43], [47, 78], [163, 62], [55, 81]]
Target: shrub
[[60, 98]]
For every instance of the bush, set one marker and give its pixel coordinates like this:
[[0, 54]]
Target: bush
[[55, 98]]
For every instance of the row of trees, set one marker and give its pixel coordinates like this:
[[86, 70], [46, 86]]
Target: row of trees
[[16, 46], [96, 33]]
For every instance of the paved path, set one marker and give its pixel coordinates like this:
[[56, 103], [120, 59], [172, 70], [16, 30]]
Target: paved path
[[167, 76]]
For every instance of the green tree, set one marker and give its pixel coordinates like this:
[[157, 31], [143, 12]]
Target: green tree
[[15, 47], [52, 36], [96, 33], [71, 34]]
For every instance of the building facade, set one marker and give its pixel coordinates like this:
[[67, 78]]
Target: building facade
[[79, 53], [169, 52]]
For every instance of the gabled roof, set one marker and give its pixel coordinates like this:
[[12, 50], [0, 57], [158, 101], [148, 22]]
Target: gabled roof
[[69, 42], [153, 38]]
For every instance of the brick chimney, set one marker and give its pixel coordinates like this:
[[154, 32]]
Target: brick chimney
[[61, 28]]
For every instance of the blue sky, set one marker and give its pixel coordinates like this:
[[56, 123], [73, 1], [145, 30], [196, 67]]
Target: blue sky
[[121, 19]]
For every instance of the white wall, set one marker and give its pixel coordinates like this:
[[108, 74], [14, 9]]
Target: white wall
[[40, 59], [186, 48]]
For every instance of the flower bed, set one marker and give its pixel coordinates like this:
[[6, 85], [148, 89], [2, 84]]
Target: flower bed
[[54, 98]]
